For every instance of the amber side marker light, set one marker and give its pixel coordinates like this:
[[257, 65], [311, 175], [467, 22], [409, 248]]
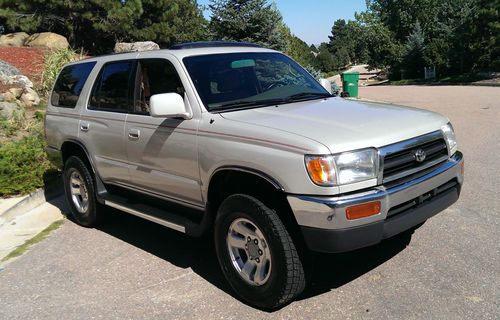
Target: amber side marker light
[[363, 210], [462, 167]]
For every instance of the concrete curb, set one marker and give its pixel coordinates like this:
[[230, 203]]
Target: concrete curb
[[32, 201]]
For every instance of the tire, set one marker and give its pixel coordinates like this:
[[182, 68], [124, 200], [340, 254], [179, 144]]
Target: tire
[[84, 209], [282, 275]]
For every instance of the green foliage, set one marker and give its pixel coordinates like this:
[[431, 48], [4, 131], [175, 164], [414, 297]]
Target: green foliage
[[163, 21], [9, 127], [413, 59], [296, 48], [23, 164], [54, 61], [96, 25], [347, 42], [456, 36], [254, 21], [324, 60]]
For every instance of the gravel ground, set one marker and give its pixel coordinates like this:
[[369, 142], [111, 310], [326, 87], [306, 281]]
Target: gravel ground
[[133, 269]]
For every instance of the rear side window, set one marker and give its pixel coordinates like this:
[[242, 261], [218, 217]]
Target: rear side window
[[113, 90], [69, 84]]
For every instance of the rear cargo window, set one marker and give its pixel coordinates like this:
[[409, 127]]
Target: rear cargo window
[[69, 84]]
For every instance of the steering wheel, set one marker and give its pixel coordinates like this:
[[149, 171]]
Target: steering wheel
[[275, 84]]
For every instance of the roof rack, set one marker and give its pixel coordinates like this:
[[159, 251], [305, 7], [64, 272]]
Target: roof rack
[[209, 44]]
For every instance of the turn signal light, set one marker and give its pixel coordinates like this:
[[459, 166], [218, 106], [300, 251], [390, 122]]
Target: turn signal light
[[363, 210]]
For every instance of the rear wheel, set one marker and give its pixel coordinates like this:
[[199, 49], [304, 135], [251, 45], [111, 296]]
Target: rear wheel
[[80, 192], [256, 253]]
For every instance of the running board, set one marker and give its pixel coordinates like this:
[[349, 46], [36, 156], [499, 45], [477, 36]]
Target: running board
[[193, 222], [146, 216]]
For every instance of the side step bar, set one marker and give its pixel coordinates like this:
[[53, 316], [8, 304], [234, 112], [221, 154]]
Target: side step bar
[[146, 216], [168, 214]]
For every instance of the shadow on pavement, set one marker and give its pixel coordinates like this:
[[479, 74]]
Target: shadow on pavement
[[329, 271]]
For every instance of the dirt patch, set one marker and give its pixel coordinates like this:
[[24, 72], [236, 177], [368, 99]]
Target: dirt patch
[[27, 60]]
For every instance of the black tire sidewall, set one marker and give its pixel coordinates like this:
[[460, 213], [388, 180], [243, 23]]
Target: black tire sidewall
[[270, 293], [89, 218]]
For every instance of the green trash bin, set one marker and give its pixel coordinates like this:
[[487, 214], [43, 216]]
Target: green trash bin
[[350, 84]]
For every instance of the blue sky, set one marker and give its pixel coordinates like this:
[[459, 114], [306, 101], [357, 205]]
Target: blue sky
[[312, 20]]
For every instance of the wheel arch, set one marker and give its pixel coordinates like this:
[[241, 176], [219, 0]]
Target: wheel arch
[[229, 180], [75, 147]]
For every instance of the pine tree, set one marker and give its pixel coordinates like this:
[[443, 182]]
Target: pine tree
[[247, 20], [96, 25], [415, 46]]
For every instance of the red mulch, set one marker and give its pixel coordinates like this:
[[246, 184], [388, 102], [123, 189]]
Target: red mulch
[[27, 60]]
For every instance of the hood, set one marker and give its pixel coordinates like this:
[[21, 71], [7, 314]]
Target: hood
[[343, 125]]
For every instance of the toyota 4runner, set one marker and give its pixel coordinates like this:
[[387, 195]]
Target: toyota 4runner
[[241, 142]]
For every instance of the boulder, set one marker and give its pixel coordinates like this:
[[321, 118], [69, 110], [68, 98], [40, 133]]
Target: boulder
[[7, 110], [29, 98], [16, 39], [17, 81], [16, 92], [9, 97], [136, 46], [7, 70], [48, 40]]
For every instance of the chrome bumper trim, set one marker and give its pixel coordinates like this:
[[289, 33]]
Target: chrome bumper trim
[[329, 212]]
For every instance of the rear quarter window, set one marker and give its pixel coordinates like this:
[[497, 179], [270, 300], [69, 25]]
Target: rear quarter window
[[69, 84]]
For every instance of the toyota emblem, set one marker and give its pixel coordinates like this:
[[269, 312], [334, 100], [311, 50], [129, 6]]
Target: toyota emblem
[[419, 155]]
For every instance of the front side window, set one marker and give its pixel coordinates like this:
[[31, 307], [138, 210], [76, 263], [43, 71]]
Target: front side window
[[113, 90], [155, 76], [69, 84], [245, 80]]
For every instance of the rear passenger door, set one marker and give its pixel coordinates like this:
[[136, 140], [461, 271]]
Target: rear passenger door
[[102, 123], [162, 152]]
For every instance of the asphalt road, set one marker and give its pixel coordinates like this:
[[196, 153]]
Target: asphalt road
[[133, 269]]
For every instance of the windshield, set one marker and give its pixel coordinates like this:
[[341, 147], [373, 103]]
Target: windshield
[[247, 80]]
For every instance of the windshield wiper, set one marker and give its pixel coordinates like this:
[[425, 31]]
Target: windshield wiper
[[246, 103], [305, 95]]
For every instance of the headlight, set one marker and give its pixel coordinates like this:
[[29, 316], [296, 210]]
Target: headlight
[[343, 168], [449, 136]]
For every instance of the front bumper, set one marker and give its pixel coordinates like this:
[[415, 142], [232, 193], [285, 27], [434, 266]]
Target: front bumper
[[323, 219]]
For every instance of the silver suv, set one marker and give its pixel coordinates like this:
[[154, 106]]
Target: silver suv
[[240, 141]]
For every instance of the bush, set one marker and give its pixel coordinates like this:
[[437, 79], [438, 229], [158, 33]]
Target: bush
[[23, 165], [54, 61], [11, 126]]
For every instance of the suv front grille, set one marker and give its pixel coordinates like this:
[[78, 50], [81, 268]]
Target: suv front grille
[[400, 160]]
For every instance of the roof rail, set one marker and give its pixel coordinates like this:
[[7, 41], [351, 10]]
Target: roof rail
[[209, 44]]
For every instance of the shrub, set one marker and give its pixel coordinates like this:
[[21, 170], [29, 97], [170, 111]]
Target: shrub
[[23, 165], [54, 61], [8, 127]]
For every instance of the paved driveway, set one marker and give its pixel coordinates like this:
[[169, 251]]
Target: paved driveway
[[134, 269]]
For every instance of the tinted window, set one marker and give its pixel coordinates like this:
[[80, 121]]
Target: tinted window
[[113, 88], [155, 76], [69, 84]]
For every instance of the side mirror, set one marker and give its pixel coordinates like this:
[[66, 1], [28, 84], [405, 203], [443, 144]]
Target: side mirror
[[168, 105], [327, 84]]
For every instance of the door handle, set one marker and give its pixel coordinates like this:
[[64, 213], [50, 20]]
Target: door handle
[[84, 127], [134, 134]]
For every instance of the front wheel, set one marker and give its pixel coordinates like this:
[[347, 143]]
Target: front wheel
[[256, 253]]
